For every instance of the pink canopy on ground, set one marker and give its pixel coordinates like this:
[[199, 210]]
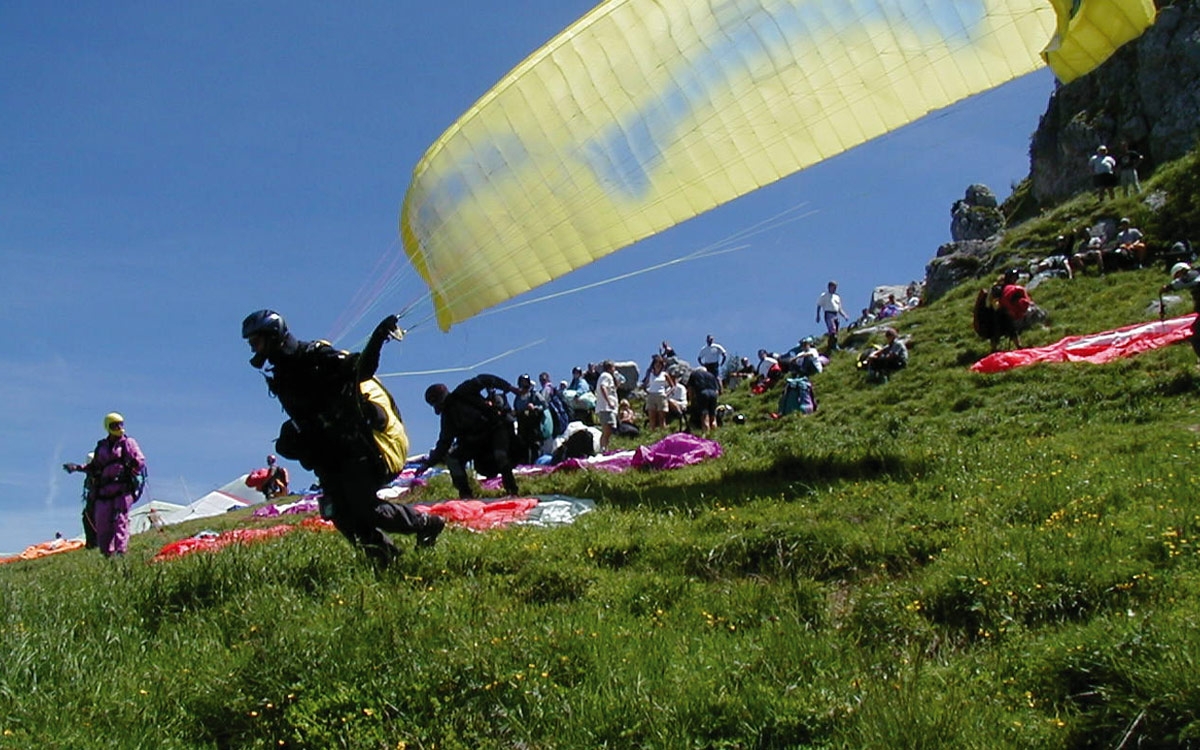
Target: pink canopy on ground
[[1097, 348], [672, 452], [280, 509], [675, 451]]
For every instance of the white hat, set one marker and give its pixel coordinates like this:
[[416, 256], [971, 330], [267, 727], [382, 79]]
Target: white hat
[[1179, 268]]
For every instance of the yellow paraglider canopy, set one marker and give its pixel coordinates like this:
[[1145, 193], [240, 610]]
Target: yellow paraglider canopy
[[645, 113]]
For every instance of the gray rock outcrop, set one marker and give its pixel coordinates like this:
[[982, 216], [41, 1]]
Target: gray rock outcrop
[[630, 376], [955, 263], [977, 216]]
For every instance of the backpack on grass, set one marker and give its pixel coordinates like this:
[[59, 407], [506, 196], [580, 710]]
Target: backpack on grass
[[797, 396]]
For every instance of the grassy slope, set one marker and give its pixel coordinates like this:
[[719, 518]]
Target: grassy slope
[[947, 560]]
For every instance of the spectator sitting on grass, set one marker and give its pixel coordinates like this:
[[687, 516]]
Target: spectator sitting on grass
[[1129, 245], [893, 357], [626, 420]]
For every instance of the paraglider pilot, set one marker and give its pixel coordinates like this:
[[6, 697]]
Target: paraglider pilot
[[343, 427], [473, 430], [278, 482], [117, 474]]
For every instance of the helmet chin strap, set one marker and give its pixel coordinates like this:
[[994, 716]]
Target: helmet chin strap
[[287, 344]]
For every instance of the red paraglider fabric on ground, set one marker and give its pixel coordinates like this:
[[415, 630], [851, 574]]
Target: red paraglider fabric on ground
[[481, 515], [1097, 348], [210, 541], [477, 515]]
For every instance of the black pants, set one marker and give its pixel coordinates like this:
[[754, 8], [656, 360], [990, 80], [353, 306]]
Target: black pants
[[490, 456], [884, 366], [349, 489], [89, 523]]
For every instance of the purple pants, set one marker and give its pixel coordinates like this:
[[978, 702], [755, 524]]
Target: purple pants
[[112, 524], [831, 322]]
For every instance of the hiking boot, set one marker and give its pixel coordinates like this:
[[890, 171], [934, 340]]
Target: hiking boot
[[381, 555], [431, 526]]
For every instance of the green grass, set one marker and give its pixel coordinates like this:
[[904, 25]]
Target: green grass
[[946, 560]]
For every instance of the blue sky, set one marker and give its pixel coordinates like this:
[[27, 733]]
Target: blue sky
[[169, 168]]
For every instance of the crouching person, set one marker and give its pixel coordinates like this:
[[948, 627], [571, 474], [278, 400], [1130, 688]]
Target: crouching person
[[344, 427], [473, 430]]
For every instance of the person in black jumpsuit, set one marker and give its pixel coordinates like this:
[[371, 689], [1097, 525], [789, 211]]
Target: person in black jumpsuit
[[473, 430], [330, 430]]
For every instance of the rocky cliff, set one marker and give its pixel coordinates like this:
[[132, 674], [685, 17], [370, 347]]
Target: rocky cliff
[[1147, 95]]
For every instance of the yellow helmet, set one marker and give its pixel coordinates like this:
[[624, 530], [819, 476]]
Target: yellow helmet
[[114, 424]]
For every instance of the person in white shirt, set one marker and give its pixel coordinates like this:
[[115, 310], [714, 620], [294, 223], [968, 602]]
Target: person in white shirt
[[1104, 173], [607, 402], [712, 356], [829, 305], [807, 360], [765, 363], [657, 384], [677, 401]]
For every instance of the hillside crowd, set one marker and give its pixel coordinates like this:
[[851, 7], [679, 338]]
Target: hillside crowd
[[344, 426]]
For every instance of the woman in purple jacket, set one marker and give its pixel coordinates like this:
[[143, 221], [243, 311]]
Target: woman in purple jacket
[[117, 472]]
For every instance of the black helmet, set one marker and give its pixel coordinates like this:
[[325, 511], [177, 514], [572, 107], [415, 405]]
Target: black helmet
[[264, 322], [524, 381], [1011, 276]]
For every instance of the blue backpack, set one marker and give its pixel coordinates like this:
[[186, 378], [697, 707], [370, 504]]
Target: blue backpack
[[559, 413], [797, 396]]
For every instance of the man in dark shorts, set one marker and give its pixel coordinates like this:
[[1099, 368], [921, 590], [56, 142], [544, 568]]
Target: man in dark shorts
[[703, 389], [1104, 173]]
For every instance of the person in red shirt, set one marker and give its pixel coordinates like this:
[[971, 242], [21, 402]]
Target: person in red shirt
[[1014, 301]]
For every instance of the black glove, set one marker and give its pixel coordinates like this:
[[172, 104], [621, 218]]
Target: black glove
[[387, 326], [369, 361]]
